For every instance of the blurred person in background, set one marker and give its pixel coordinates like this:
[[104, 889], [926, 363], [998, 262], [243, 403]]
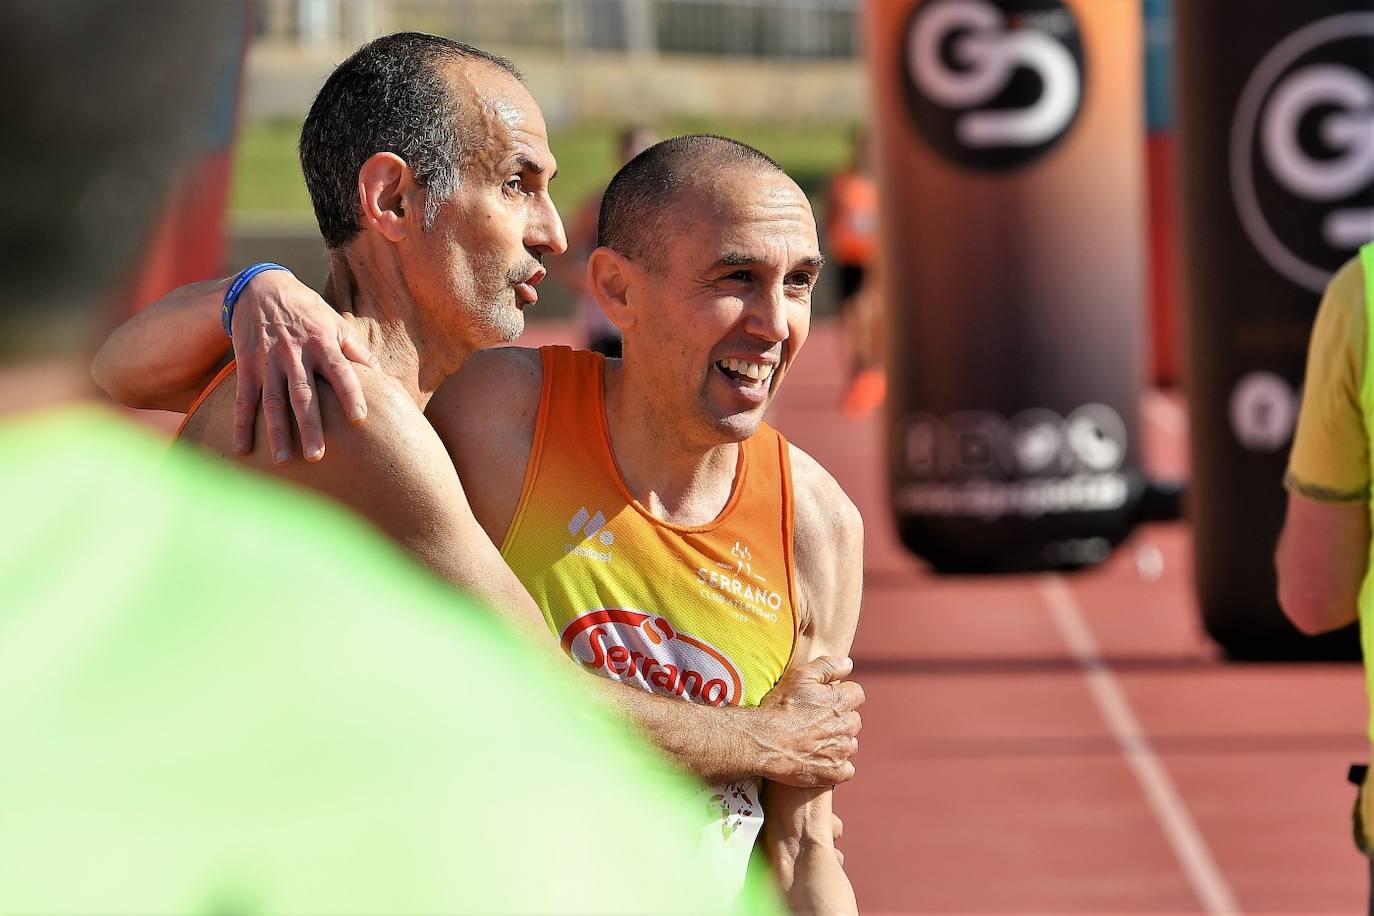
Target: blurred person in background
[[601, 336], [802, 736], [851, 234], [171, 748], [1323, 556]]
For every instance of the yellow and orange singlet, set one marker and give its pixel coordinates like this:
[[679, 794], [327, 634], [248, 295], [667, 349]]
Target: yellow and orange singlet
[[703, 613]]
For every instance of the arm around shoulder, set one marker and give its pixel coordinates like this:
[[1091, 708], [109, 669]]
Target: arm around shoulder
[[163, 357], [394, 471]]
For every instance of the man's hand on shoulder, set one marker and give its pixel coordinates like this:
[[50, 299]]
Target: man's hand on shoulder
[[284, 336]]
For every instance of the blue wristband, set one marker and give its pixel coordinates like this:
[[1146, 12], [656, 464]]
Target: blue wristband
[[231, 295]]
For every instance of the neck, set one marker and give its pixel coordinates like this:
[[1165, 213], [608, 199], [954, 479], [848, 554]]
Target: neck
[[679, 480], [378, 305]]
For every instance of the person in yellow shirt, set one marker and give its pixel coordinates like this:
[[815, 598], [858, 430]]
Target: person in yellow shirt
[[1324, 560]]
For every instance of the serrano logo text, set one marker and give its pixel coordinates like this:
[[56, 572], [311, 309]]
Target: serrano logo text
[[644, 649], [753, 594]]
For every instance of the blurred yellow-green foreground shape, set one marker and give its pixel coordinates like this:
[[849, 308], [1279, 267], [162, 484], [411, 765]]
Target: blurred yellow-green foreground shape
[[362, 740]]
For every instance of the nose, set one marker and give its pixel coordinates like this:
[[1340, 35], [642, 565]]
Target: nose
[[767, 318], [544, 233]]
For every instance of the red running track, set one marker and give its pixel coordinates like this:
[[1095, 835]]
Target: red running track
[[1047, 744]]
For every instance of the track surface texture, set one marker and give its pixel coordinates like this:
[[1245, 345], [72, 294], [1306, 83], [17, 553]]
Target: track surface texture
[[1074, 743]]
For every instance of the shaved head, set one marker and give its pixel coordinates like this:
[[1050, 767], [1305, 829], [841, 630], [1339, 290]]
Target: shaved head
[[640, 202]]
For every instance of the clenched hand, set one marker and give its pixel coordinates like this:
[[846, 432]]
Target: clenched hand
[[812, 725]]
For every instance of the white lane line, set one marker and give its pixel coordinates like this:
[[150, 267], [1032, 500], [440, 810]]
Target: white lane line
[[1168, 807]]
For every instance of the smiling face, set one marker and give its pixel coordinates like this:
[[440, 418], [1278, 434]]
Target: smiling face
[[479, 262], [721, 311]]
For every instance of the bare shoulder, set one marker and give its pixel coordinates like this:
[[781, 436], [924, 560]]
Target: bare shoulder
[[828, 537], [498, 386], [365, 464], [395, 430], [394, 471], [486, 416], [827, 522], [393, 451]]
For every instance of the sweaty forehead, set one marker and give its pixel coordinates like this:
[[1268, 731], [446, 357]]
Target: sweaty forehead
[[747, 203], [503, 120]]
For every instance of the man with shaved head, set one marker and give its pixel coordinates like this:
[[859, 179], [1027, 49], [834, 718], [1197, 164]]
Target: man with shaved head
[[705, 559], [671, 537]]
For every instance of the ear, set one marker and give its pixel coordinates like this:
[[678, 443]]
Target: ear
[[389, 195], [614, 280]]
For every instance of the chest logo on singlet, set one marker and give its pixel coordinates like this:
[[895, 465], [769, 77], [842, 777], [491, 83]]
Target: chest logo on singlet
[[592, 531], [643, 649]]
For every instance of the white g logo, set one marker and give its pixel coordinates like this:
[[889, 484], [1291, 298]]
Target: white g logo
[[989, 55], [1273, 109]]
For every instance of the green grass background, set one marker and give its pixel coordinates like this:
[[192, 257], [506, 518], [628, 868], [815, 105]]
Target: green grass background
[[267, 177]]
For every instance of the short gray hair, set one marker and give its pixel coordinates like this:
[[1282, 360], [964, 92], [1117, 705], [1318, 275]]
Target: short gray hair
[[390, 96]]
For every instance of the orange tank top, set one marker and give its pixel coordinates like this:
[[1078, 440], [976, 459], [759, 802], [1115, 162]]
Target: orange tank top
[[215, 382], [704, 613]]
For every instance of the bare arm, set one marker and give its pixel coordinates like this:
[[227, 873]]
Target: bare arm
[[799, 832], [1324, 546], [1321, 559], [803, 737], [418, 500], [164, 356], [284, 334]]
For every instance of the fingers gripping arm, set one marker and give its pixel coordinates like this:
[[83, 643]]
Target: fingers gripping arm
[[799, 838], [284, 335], [803, 735]]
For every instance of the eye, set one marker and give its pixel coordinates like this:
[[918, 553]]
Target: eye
[[740, 276], [515, 184], [801, 280]]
